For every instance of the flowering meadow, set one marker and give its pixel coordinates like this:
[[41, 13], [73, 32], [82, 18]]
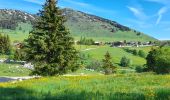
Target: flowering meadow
[[100, 87]]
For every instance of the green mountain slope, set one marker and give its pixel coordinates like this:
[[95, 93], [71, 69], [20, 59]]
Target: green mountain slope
[[16, 23]]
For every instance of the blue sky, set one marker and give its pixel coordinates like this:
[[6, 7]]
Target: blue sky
[[149, 16]]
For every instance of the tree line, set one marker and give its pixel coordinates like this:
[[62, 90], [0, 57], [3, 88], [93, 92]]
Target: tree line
[[85, 41]]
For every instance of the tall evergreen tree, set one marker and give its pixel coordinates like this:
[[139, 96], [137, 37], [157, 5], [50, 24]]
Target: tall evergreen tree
[[107, 64], [49, 45]]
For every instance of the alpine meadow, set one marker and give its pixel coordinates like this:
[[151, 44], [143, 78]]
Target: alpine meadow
[[84, 50]]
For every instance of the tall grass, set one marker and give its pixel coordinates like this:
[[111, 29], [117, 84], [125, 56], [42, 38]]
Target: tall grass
[[113, 87]]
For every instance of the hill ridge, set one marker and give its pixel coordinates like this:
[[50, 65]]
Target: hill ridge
[[80, 24]]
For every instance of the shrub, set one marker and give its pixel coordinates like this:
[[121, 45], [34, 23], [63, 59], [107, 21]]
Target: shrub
[[125, 62], [158, 60], [142, 54], [140, 69], [135, 52], [96, 65]]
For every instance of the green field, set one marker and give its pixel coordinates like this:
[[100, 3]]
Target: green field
[[98, 52], [114, 87], [13, 70]]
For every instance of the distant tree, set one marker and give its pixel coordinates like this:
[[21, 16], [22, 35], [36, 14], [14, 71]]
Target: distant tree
[[142, 54], [20, 28], [138, 34], [135, 52], [158, 60], [95, 65], [108, 65], [125, 62], [5, 44], [17, 55], [49, 45], [84, 41]]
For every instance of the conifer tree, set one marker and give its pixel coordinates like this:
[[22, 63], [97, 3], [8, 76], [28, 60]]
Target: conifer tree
[[107, 64], [49, 45], [5, 45], [17, 55]]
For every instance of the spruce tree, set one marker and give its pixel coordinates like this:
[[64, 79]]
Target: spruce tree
[[107, 64], [49, 45], [5, 45]]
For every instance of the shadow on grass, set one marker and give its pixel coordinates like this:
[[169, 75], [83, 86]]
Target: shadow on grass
[[16, 94], [24, 94]]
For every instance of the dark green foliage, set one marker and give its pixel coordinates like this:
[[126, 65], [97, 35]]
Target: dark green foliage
[[138, 33], [151, 60], [135, 52], [49, 45], [125, 62], [84, 41], [5, 45], [142, 54], [107, 64], [140, 69], [8, 24], [132, 51], [158, 60], [19, 55], [11, 21]]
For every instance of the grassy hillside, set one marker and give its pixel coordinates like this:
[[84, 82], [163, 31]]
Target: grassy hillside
[[79, 24], [113, 87], [98, 52]]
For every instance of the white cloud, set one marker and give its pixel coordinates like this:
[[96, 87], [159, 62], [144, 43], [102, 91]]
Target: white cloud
[[162, 10], [88, 7], [36, 1], [165, 2], [77, 3], [138, 13], [160, 14]]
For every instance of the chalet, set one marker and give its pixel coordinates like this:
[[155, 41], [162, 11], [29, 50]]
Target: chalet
[[118, 44], [98, 43]]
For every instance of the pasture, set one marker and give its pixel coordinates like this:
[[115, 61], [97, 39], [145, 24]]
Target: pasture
[[95, 87]]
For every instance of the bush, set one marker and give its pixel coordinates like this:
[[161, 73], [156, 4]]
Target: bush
[[140, 69], [125, 62], [135, 52], [142, 54], [158, 60], [96, 65]]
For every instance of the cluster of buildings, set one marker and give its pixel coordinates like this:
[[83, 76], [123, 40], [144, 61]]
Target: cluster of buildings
[[126, 44], [132, 44]]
